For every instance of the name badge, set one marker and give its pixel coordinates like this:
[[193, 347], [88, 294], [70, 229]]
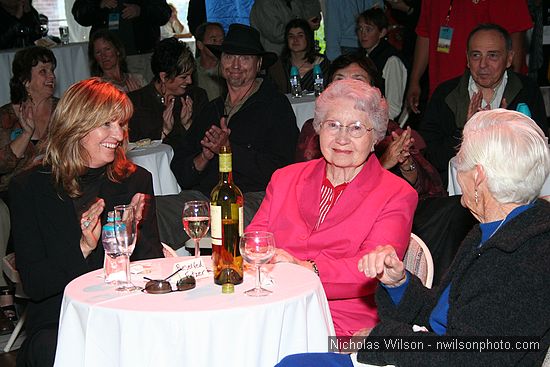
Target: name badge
[[114, 20], [444, 41], [194, 267]]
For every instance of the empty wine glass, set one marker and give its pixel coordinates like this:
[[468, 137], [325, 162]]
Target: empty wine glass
[[196, 221], [126, 235], [257, 248]]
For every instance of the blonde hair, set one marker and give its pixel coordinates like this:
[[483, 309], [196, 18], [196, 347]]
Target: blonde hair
[[84, 107]]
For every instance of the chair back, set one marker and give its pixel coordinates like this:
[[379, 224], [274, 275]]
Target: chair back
[[418, 260]]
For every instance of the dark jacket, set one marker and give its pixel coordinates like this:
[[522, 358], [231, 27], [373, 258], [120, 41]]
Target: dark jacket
[[446, 113], [46, 233], [263, 138], [381, 53], [147, 120], [19, 33], [500, 289], [138, 35]]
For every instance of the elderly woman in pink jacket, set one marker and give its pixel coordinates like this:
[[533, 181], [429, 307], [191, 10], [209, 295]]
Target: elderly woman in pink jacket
[[329, 212]]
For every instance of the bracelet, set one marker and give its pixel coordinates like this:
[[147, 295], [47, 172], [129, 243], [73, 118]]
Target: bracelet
[[412, 167], [314, 266]]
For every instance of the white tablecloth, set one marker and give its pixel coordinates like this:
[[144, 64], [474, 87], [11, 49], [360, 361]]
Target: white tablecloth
[[303, 107], [201, 327], [156, 159], [72, 66]]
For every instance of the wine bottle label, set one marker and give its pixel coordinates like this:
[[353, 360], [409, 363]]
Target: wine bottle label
[[216, 224], [225, 162], [241, 221]]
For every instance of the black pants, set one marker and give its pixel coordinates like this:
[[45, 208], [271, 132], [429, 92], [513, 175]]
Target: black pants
[[38, 349]]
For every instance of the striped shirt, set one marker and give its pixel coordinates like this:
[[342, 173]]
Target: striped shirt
[[329, 196]]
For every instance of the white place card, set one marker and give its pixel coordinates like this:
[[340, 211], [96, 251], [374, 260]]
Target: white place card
[[194, 267]]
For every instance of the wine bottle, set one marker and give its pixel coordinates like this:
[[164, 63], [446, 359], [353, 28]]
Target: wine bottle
[[226, 211]]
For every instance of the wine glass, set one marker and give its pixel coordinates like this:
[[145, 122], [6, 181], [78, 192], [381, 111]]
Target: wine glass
[[196, 221], [126, 235], [257, 248]]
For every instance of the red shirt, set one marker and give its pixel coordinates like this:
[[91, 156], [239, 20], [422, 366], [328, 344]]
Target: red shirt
[[329, 196], [513, 15]]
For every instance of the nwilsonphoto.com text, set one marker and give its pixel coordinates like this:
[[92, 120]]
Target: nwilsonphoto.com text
[[477, 344]]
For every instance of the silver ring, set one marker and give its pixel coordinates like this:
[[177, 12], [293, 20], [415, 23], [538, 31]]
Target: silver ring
[[86, 223]]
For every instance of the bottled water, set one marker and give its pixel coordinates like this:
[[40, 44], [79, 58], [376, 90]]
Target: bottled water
[[318, 81], [113, 265], [295, 87]]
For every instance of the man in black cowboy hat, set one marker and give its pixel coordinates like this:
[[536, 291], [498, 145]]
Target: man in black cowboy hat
[[254, 118]]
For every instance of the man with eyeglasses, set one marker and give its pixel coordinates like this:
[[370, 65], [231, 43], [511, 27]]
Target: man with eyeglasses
[[253, 118], [486, 84]]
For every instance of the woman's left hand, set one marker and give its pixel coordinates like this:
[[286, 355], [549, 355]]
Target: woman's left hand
[[186, 112], [138, 202], [282, 256], [90, 224]]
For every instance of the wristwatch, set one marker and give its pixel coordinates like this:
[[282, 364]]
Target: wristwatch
[[314, 266]]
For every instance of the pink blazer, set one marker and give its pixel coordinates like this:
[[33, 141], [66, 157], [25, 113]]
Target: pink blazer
[[375, 209]]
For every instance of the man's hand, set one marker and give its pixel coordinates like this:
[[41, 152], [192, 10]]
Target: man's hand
[[130, 11], [108, 4]]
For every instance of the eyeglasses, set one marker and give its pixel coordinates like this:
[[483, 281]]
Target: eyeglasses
[[162, 286], [355, 130]]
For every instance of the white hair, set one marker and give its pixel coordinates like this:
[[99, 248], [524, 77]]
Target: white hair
[[512, 150], [367, 99]]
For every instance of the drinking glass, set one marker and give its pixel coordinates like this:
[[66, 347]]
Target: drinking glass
[[126, 235], [196, 221], [257, 248]]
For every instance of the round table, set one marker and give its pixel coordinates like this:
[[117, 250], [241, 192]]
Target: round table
[[200, 327], [156, 159], [304, 108]]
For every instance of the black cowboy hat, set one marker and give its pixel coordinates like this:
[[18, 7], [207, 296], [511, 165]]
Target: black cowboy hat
[[243, 40]]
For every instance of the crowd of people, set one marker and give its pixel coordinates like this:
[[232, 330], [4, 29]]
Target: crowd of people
[[341, 196]]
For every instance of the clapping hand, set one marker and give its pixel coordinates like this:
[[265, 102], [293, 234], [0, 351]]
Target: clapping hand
[[383, 263], [215, 138], [186, 111], [90, 224], [398, 151], [475, 105], [139, 201], [25, 114], [167, 116]]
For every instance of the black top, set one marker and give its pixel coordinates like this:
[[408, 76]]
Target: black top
[[46, 233], [147, 120]]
